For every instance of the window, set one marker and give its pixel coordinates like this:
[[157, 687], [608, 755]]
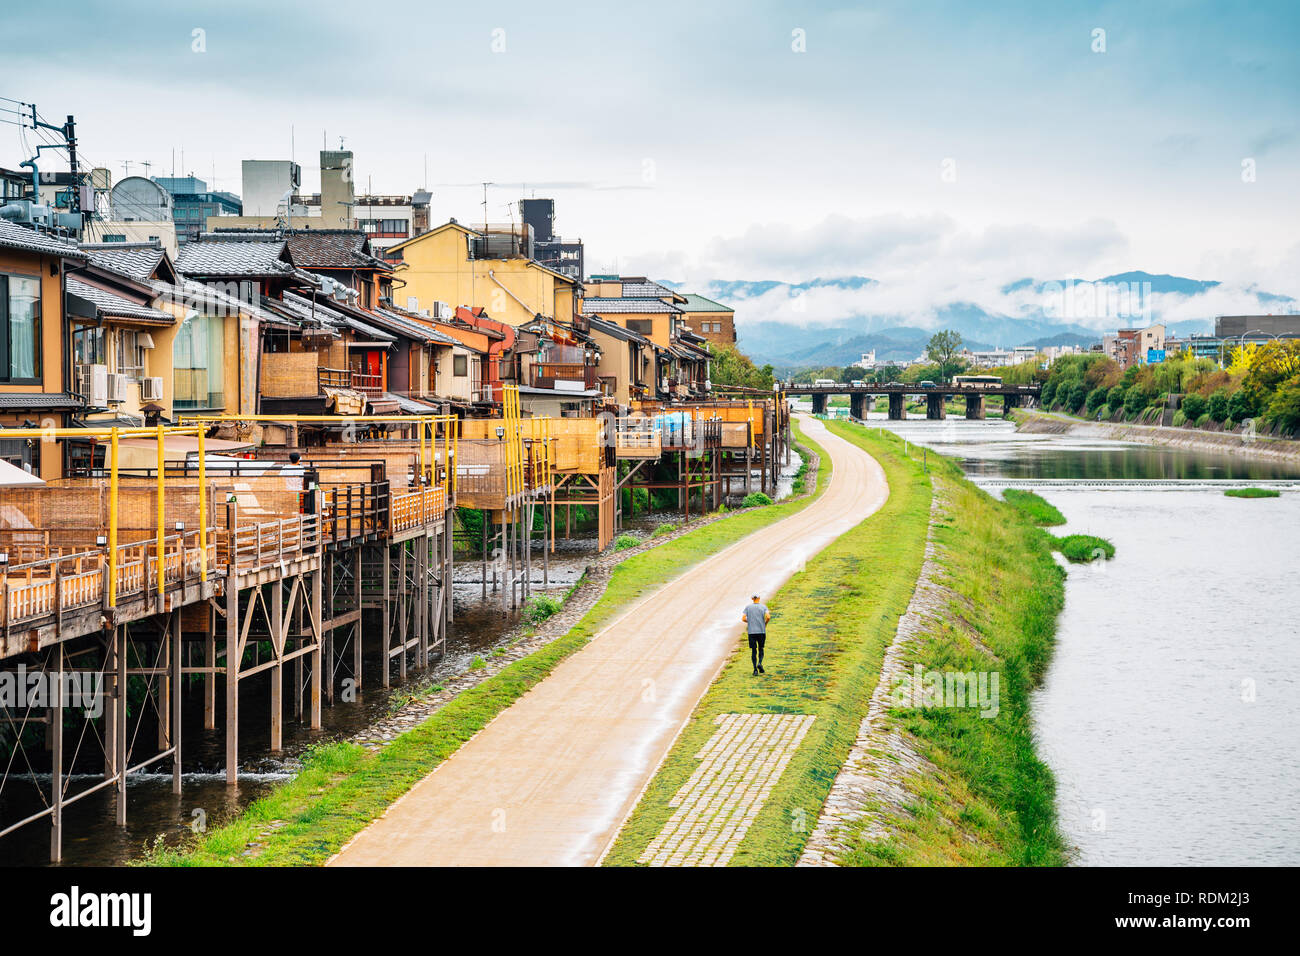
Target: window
[[198, 353], [20, 329], [460, 365], [114, 237], [130, 356]]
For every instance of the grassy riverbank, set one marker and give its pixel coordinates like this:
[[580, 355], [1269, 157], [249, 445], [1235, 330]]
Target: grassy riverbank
[[984, 797], [835, 620], [342, 787]]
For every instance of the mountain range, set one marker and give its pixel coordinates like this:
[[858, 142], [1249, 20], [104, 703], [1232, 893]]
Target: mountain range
[[829, 341]]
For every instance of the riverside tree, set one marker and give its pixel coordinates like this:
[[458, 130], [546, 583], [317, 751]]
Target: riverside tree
[[944, 350]]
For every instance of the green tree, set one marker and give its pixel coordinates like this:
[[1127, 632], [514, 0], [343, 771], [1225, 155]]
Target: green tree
[[730, 366], [1049, 393], [1096, 399], [1135, 399], [1078, 393], [944, 350], [1284, 408]]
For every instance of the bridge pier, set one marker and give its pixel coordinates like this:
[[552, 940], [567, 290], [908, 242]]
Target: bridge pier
[[895, 406], [934, 407], [819, 403], [1009, 402], [858, 404], [974, 406]]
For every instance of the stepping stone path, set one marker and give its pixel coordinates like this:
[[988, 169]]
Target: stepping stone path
[[740, 764]]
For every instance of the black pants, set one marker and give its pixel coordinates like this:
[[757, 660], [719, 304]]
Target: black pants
[[756, 642]]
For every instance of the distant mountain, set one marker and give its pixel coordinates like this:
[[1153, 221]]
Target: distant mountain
[[799, 341]]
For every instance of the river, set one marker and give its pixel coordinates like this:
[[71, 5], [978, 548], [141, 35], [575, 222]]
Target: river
[[1170, 712]]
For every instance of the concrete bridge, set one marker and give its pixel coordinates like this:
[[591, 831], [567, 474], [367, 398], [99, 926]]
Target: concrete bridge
[[935, 396]]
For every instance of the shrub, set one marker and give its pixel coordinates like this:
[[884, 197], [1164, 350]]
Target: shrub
[[625, 541], [1203, 420], [1218, 405], [541, 606], [1082, 548], [477, 664], [1049, 392], [755, 500], [1180, 418], [1135, 399], [1193, 406], [1241, 405], [663, 529]]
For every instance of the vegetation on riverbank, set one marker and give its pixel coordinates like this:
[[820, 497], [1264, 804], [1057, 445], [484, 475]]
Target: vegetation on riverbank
[[832, 624], [1253, 493], [985, 797], [342, 786], [1035, 507], [1084, 548], [1260, 383]]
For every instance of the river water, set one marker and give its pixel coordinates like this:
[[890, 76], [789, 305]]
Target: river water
[[1170, 712]]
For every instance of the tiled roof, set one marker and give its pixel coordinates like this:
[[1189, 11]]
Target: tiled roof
[[232, 254], [332, 249], [302, 307], [14, 236], [43, 400], [698, 303], [411, 328], [646, 289], [617, 331], [600, 305], [135, 259], [115, 306]]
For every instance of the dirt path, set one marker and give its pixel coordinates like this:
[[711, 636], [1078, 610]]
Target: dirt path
[[550, 780]]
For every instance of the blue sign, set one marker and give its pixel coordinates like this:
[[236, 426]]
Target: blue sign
[[1155, 356]]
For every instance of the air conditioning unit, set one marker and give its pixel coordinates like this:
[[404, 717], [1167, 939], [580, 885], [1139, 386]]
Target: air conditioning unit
[[442, 311], [117, 388], [92, 384], [151, 389]]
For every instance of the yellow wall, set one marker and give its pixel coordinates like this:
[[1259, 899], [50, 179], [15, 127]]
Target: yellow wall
[[436, 268]]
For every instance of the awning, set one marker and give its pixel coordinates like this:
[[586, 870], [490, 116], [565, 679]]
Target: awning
[[11, 476]]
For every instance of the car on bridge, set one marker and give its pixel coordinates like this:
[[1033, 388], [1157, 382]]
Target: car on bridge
[[927, 384]]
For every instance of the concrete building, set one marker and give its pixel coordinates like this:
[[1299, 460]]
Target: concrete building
[[1135, 346], [193, 204], [549, 249], [1257, 328], [264, 185]]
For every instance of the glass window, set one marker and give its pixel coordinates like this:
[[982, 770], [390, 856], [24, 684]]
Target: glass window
[[198, 355], [130, 357], [20, 329], [460, 365]]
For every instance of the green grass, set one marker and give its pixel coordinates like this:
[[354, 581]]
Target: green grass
[[989, 799], [1036, 508], [755, 499], [539, 607], [831, 624], [1253, 493], [666, 528], [342, 787], [625, 541], [1084, 548]]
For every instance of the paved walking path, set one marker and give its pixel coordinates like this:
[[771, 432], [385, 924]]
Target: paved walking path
[[550, 780]]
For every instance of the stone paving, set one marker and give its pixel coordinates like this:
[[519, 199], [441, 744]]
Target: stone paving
[[872, 786], [739, 765]]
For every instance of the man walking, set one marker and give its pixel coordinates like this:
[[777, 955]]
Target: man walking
[[756, 617]]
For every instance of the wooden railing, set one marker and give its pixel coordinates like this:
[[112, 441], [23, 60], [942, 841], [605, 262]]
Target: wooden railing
[[368, 384], [266, 543], [422, 506], [49, 586], [354, 509]]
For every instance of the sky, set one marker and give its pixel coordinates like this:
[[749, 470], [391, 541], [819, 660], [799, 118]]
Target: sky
[[943, 148]]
